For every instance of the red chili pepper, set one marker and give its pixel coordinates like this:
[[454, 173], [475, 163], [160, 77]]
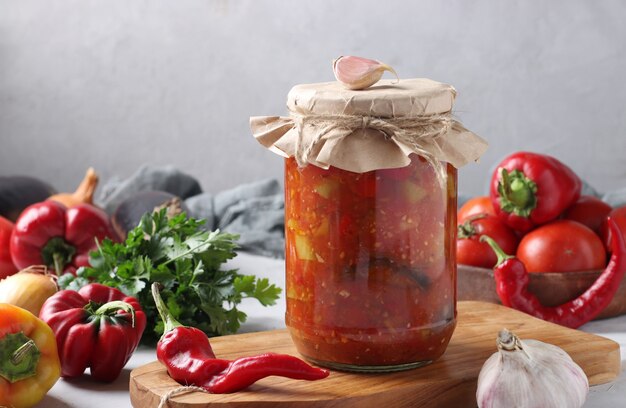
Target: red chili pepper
[[529, 189], [61, 238], [512, 286], [97, 327], [189, 359]]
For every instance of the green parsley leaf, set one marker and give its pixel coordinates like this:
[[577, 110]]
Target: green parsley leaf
[[187, 261]]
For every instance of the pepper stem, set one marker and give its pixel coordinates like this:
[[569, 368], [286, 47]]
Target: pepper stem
[[170, 323], [502, 256], [22, 352], [111, 308], [19, 357], [517, 193], [58, 264], [57, 253]]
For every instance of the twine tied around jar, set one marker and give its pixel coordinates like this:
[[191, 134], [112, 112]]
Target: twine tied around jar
[[410, 131]]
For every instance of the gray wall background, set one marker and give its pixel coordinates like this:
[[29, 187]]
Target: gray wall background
[[117, 83]]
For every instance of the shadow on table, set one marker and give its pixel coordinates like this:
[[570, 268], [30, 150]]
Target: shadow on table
[[51, 402], [86, 382]]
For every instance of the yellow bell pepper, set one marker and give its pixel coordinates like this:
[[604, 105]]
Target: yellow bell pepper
[[29, 361]]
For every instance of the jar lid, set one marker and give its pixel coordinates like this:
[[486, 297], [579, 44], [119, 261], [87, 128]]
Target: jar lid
[[375, 128], [386, 99]]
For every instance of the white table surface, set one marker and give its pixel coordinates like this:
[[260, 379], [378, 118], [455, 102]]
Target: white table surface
[[84, 393]]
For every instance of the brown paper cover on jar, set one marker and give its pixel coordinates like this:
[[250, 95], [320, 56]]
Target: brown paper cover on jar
[[375, 128]]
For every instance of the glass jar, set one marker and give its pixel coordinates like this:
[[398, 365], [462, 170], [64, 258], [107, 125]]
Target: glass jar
[[370, 242], [370, 264]]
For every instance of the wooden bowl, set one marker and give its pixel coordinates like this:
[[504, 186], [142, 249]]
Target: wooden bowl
[[552, 288]]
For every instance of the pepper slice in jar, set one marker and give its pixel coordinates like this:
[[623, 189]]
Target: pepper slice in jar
[[370, 265]]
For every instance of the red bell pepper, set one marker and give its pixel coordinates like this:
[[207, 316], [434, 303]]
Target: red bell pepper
[[61, 238], [6, 264], [530, 189], [97, 327]]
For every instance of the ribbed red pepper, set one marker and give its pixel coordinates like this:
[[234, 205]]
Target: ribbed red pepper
[[61, 238], [530, 189], [97, 327], [189, 359], [512, 286]]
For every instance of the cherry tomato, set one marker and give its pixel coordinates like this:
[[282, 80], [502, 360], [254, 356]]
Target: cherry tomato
[[475, 206], [561, 246], [619, 216], [6, 264], [589, 211], [469, 249]]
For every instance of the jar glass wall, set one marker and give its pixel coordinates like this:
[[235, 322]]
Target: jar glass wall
[[370, 264]]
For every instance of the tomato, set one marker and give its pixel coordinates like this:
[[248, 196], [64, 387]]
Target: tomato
[[589, 211], [6, 264], [561, 246], [475, 206], [469, 249], [619, 216]]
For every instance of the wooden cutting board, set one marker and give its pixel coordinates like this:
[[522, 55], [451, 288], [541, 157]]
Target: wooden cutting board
[[448, 382]]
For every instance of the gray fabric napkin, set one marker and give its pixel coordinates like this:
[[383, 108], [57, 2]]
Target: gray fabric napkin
[[147, 178], [255, 211]]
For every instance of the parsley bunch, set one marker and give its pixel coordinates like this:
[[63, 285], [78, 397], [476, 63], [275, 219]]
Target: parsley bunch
[[186, 260]]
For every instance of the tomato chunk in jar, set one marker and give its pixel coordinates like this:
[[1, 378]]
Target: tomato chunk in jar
[[370, 264]]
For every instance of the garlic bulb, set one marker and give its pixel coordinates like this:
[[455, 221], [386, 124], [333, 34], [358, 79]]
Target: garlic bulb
[[530, 373], [359, 73]]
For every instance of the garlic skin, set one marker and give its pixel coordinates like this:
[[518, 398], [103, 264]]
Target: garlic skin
[[530, 374], [359, 73]]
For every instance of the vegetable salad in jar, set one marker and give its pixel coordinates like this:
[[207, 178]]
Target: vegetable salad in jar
[[370, 280]]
